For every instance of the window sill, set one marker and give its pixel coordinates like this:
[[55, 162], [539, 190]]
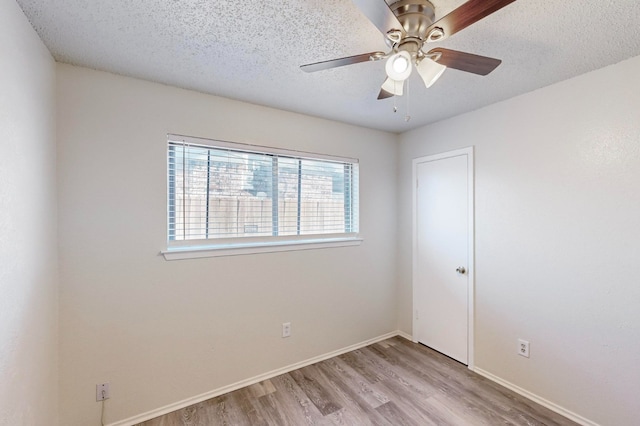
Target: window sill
[[180, 253]]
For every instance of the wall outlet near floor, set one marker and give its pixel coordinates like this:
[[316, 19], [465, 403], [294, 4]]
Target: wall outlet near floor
[[523, 348], [102, 391], [286, 329]]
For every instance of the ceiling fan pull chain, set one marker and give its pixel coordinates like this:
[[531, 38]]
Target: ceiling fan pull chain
[[407, 117], [395, 98]]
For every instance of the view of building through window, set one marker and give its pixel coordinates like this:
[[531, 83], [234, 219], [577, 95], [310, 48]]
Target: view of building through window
[[227, 193]]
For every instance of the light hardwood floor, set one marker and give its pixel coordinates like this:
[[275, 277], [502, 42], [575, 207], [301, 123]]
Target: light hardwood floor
[[394, 382]]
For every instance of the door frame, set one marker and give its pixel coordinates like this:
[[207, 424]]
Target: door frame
[[469, 152]]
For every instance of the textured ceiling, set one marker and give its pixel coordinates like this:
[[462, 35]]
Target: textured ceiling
[[251, 50]]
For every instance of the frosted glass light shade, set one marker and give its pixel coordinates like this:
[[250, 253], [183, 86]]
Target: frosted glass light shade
[[430, 71], [393, 86], [399, 66]]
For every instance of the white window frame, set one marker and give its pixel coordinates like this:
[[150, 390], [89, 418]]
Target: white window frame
[[189, 249]]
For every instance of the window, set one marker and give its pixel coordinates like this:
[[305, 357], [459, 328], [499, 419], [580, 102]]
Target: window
[[224, 195]]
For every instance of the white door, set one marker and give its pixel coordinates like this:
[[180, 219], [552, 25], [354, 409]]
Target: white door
[[443, 224]]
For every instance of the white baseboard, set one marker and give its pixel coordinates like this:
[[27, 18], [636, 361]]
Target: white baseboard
[[250, 381], [405, 336], [535, 398]]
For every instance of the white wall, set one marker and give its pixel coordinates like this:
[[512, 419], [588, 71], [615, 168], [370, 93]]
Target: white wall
[[557, 238], [28, 250], [162, 331]]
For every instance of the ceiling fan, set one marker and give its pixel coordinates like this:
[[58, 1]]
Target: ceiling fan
[[408, 25]]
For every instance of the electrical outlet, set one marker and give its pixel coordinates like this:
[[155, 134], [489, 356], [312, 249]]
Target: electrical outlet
[[523, 348], [286, 329], [102, 391]]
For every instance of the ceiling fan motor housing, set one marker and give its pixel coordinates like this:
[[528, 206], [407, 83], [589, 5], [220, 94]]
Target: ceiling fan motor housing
[[415, 16]]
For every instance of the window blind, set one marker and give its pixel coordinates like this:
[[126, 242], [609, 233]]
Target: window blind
[[236, 191]]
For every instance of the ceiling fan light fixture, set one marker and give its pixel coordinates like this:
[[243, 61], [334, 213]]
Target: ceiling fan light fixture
[[430, 71], [398, 66]]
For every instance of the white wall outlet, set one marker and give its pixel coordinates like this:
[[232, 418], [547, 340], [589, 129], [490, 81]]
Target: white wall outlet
[[286, 329], [523, 348], [102, 391]]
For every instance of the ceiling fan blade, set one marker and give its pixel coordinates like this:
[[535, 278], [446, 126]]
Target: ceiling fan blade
[[380, 15], [462, 61], [467, 14], [384, 94], [340, 62]]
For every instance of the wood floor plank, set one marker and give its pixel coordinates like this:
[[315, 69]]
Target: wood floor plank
[[228, 412], [397, 416], [347, 417], [262, 388], [352, 383], [355, 361], [414, 407], [275, 412], [456, 414], [349, 394], [405, 383], [456, 384], [295, 402], [248, 405], [312, 384], [489, 395], [390, 383], [459, 386]]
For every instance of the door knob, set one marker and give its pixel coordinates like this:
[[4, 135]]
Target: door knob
[[461, 270]]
